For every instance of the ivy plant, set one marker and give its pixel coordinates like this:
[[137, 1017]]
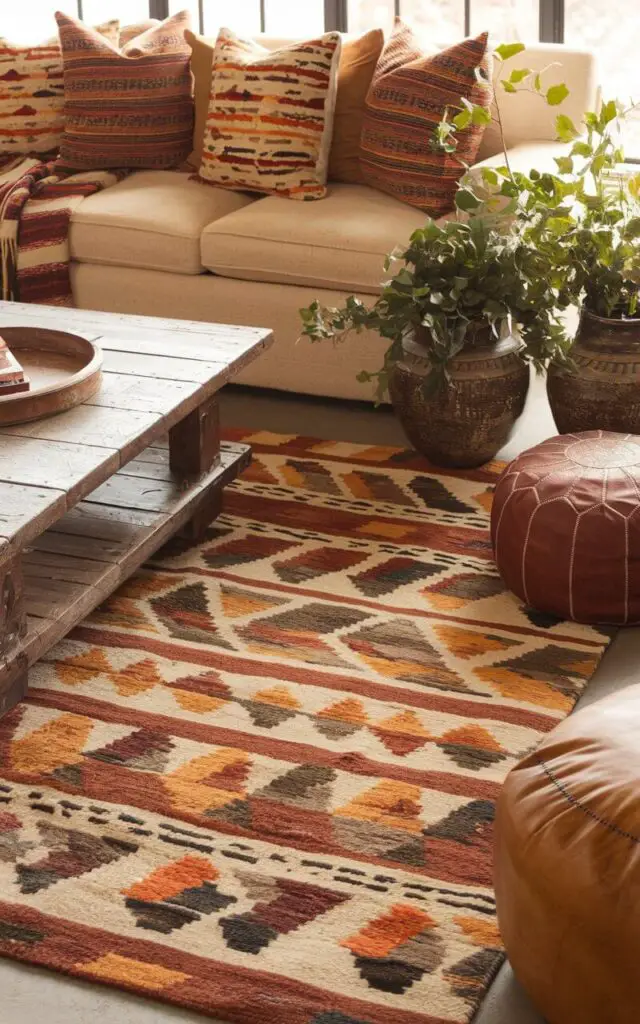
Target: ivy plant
[[585, 217], [453, 278]]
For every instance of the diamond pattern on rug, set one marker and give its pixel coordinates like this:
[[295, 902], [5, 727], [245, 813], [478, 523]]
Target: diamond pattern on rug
[[269, 764]]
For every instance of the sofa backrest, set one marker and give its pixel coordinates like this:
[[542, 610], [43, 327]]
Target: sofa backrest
[[526, 117]]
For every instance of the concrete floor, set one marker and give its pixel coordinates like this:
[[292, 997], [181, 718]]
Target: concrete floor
[[26, 993]]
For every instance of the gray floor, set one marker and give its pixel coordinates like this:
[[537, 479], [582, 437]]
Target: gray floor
[[27, 993]]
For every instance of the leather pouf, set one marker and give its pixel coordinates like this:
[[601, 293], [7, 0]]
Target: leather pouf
[[567, 866], [565, 526]]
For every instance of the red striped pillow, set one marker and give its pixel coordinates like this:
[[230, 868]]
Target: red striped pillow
[[129, 108], [31, 94], [407, 99]]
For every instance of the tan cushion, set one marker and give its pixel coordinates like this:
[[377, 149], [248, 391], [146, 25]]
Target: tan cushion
[[357, 64], [340, 242], [151, 219]]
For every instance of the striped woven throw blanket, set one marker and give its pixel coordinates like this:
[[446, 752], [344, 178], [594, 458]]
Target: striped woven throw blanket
[[36, 205]]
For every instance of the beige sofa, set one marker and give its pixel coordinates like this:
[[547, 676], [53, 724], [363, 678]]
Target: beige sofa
[[161, 243]]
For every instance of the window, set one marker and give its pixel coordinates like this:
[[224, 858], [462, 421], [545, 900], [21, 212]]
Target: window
[[128, 11], [601, 25], [606, 29], [33, 22]]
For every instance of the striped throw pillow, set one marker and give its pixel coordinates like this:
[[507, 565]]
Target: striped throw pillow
[[270, 117], [407, 98], [129, 108], [130, 32], [32, 96]]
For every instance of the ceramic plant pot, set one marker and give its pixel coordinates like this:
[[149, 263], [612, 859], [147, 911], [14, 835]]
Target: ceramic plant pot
[[468, 422], [601, 391]]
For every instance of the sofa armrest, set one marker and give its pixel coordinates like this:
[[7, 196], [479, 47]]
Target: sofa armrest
[[522, 157], [525, 156]]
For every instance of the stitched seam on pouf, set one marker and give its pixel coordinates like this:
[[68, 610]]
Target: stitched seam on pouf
[[576, 802]]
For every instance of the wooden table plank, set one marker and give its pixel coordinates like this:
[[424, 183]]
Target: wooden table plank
[[73, 468], [228, 341], [164, 367], [142, 394], [94, 426], [23, 508]]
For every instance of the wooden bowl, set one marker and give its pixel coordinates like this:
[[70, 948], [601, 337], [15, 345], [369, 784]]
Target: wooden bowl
[[64, 371]]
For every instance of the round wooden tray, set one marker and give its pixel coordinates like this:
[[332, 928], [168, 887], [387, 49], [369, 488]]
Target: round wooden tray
[[64, 370]]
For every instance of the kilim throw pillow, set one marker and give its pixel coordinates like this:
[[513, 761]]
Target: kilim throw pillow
[[32, 95], [358, 60], [407, 98], [270, 117], [129, 108], [129, 32]]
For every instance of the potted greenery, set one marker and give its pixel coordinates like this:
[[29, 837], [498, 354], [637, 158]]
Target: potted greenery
[[466, 305], [587, 218], [600, 387], [471, 303]]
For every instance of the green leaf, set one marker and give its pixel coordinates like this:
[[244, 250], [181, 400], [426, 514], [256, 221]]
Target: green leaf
[[481, 116], [489, 176], [565, 164], [559, 225], [466, 200], [557, 94], [519, 74], [581, 148], [537, 83], [633, 184], [632, 228], [507, 86], [609, 112], [507, 50], [462, 120], [565, 128]]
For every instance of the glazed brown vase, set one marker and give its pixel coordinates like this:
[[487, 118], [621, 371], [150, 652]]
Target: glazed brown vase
[[467, 423], [602, 390]]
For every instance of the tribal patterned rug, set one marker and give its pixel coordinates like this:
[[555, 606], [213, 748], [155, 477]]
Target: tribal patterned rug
[[259, 782]]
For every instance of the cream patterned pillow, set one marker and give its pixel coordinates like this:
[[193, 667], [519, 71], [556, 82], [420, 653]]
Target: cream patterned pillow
[[270, 118], [32, 94]]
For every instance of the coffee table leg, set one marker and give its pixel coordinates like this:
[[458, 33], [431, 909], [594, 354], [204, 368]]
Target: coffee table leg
[[194, 447], [13, 627]]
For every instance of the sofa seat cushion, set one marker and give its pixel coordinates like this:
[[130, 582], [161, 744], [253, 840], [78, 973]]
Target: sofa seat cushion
[[339, 242], [151, 219]]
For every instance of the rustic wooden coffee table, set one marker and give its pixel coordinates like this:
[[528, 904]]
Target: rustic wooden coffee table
[[86, 496]]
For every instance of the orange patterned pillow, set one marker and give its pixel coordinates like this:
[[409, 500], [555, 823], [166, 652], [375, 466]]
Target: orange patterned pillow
[[32, 95], [407, 99], [270, 117], [129, 108]]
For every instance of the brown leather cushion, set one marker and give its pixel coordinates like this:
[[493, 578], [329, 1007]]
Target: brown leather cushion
[[565, 527], [567, 866]]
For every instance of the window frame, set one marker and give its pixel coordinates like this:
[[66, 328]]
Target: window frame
[[336, 17]]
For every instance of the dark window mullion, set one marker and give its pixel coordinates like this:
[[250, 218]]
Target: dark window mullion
[[159, 9], [467, 17], [335, 15], [201, 16], [552, 21], [80, 10]]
